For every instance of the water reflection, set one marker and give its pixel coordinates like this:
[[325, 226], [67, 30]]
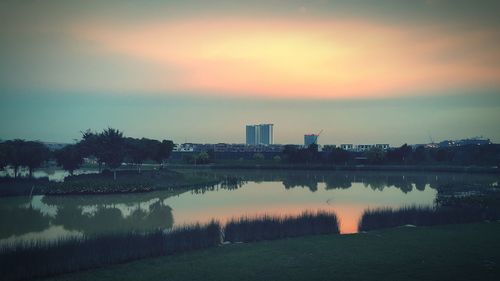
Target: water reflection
[[243, 193]]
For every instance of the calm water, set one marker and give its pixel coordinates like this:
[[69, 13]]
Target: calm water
[[279, 193]]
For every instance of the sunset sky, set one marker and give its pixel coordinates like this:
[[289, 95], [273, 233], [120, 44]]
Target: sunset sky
[[388, 71]]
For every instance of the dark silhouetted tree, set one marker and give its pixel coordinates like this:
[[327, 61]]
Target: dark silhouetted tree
[[136, 151], [33, 154], [13, 154], [69, 158], [30, 154], [113, 149], [163, 151], [339, 156], [375, 155], [91, 146], [420, 154], [258, 156], [441, 155], [3, 156]]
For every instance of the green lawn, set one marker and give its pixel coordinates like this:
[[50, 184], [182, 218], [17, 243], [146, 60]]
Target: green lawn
[[455, 252]]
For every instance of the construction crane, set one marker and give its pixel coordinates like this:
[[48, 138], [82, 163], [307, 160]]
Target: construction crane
[[317, 136]]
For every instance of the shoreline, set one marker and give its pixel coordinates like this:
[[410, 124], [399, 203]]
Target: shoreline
[[375, 168]]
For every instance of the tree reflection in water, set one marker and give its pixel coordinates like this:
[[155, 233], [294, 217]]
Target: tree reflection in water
[[97, 214]]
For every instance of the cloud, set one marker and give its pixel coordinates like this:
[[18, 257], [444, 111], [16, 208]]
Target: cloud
[[322, 59]]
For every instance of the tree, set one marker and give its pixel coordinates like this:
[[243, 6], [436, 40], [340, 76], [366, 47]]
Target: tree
[[294, 154], [163, 151], [311, 153], [113, 151], [3, 156], [400, 155], [290, 153], [30, 154], [91, 146], [375, 155], [13, 154], [406, 152], [69, 158], [420, 154], [258, 156], [441, 155], [137, 151], [203, 158], [339, 156], [33, 154]]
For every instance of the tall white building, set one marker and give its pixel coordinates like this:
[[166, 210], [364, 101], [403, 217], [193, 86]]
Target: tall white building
[[260, 134]]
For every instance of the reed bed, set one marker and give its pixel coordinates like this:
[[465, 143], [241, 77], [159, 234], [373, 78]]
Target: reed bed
[[266, 227], [39, 259], [421, 216]]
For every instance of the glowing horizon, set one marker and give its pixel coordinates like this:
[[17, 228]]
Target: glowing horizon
[[315, 59]]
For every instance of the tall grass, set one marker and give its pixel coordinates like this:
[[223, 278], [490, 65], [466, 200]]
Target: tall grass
[[38, 259], [421, 216], [266, 227], [42, 259]]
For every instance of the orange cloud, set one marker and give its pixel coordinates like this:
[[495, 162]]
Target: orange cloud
[[336, 59]]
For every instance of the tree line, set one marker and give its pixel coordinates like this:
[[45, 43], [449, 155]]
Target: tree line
[[404, 155], [109, 148]]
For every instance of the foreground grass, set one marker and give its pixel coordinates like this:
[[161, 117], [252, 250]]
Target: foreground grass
[[453, 252]]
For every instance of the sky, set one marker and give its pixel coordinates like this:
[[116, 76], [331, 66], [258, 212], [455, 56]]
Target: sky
[[388, 71]]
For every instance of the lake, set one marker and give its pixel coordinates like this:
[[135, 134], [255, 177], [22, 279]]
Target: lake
[[348, 194]]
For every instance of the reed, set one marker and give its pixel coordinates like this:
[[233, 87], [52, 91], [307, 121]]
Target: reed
[[41, 259], [266, 227], [421, 216], [34, 259]]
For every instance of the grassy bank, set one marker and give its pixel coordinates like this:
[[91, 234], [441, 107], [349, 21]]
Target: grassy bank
[[453, 252]]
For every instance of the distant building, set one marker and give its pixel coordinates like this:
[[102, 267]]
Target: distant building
[[329, 147], [251, 136], [383, 146], [226, 147], [363, 147], [471, 141], [455, 143], [310, 139], [260, 134], [266, 134], [347, 146]]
